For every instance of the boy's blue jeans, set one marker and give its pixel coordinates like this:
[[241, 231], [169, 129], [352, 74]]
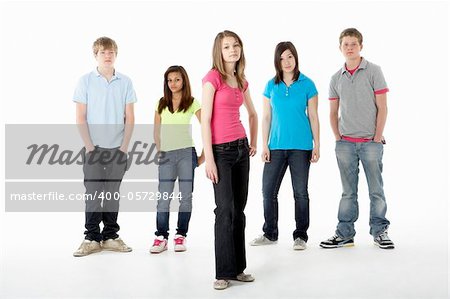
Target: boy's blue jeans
[[348, 155], [298, 162], [178, 164]]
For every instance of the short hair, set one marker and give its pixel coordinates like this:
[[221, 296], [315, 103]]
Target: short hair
[[281, 47], [105, 43], [351, 32]]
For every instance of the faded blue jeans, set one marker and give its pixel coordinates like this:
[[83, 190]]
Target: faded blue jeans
[[348, 155], [178, 164]]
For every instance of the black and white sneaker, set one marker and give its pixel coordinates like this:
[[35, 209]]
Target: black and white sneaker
[[383, 241], [336, 242]]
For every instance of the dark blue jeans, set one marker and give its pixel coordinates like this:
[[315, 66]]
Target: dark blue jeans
[[179, 164], [103, 172], [233, 165], [298, 162]]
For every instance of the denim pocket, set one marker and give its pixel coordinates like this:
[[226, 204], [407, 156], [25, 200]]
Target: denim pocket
[[194, 158]]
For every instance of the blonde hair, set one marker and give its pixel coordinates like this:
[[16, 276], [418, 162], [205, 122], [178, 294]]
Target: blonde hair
[[218, 59], [105, 43]]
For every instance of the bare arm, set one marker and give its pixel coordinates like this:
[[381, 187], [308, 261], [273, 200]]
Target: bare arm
[[253, 122], [266, 122], [200, 158], [81, 119], [207, 108], [129, 126], [334, 118], [157, 130], [381, 102], [315, 127]]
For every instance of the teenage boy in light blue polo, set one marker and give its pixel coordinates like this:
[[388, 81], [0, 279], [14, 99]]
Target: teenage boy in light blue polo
[[358, 92], [105, 117]]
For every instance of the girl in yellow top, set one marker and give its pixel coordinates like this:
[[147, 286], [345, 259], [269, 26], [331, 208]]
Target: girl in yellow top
[[173, 116]]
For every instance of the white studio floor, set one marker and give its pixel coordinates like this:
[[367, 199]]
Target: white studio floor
[[37, 262]]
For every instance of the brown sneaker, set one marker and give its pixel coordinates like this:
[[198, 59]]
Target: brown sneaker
[[87, 247], [116, 245]]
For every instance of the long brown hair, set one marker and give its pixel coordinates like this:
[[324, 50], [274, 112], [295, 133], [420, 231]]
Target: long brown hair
[[218, 59], [281, 47], [186, 97]]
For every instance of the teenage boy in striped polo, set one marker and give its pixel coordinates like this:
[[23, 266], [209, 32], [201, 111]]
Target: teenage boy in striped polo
[[358, 91], [105, 117]]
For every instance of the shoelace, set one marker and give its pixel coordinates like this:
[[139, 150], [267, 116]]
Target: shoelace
[[179, 241], [384, 236], [157, 242], [335, 237]]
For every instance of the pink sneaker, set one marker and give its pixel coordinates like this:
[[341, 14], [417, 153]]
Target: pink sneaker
[[179, 243], [159, 245]]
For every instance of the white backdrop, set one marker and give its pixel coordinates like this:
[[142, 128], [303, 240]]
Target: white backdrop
[[46, 47]]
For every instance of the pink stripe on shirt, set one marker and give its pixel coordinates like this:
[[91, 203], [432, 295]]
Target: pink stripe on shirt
[[352, 139], [382, 91]]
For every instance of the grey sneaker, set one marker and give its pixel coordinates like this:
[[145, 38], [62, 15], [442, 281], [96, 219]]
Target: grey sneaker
[[116, 244], [245, 277], [383, 241], [87, 247], [299, 244], [221, 284], [262, 240]]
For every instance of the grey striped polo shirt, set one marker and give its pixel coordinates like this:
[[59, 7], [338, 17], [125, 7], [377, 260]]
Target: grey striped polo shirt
[[356, 94]]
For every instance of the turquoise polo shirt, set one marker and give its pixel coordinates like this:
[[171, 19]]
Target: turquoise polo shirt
[[290, 128], [106, 103]]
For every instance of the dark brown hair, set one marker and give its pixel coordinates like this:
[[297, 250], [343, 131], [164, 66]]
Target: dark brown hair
[[281, 47], [186, 97]]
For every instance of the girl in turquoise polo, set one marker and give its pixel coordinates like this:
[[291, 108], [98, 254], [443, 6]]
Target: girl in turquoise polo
[[290, 134]]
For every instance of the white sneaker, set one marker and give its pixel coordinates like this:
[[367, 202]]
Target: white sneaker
[[159, 245], [87, 247], [299, 244], [116, 244], [261, 240], [179, 243]]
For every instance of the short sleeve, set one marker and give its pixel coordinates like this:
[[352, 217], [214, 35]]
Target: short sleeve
[[195, 106], [268, 90], [80, 94], [379, 83], [131, 94], [312, 90], [157, 105], [245, 86], [332, 92], [213, 77]]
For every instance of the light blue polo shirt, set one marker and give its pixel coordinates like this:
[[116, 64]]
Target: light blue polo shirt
[[106, 103], [290, 128]]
